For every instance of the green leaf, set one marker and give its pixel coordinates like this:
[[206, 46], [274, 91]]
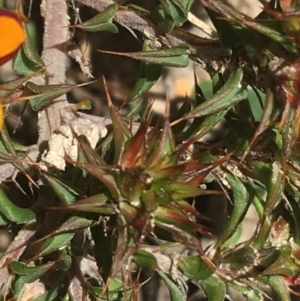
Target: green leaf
[[7, 146], [67, 298], [238, 19], [7, 88], [273, 34], [104, 176], [171, 57], [13, 212], [121, 131], [163, 153], [98, 203], [134, 149], [86, 154], [275, 259], [278, 286], [27, 60], [145, 259], [74, 223], [275, 186], [194, 267], [66, 194], [241, 203], [172, 217], [230, 94], [185, 5], [254, 102], [65, 260], [214, 288], [183, 233], [199, 127], [115, 291], [171, 13], [18, 286], [249, 291], [42, 96], [54, 243], [30, 273], [234, 238], [176, 294], [239, 258], [265, 118], [148, 76], [102, 21]]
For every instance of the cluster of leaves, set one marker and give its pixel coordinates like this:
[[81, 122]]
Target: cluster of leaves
[[87, 229]]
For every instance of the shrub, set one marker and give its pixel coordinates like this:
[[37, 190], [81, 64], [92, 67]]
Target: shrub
[[102, 190]]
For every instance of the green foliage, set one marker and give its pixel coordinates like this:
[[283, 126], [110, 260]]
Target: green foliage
[[171, 57], [88, 227], [28, 60], [102, 21]]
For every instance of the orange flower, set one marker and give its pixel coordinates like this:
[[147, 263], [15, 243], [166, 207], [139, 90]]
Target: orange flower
[[12, 35]]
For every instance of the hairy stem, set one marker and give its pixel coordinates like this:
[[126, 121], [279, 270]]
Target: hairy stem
[[56, 34]]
